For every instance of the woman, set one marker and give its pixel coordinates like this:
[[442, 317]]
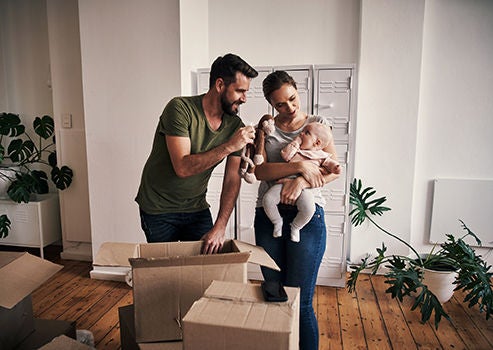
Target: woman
[[299, 261]]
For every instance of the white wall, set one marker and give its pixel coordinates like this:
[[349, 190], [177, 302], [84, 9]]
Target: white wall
[[26, 69], [388, 101], [66, 75], [456, 108], [443, 134], [194, 41], [130, 68], [285, 32]]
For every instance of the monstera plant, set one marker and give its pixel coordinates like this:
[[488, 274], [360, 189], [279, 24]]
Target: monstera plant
[[408, 276], [24, 157]]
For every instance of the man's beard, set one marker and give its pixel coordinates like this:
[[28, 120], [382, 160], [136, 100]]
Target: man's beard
[[228, 106]]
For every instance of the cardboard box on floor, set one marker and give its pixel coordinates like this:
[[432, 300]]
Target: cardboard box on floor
[[127, 334], [62, 342], [169, 277], [235, 316], [111, 261], [20, 274]]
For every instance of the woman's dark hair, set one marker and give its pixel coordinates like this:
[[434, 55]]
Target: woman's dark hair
[[225, 67], [274, 81]]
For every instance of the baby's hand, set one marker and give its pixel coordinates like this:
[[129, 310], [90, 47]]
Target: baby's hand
[[332, 166], [289, 151]]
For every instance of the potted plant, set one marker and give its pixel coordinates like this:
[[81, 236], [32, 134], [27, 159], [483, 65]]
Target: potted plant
[[407, 276], [23, 157]]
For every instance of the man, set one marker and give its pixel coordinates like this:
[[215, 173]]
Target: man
[[194, 134]]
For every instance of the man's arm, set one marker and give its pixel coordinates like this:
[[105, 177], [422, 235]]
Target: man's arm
[[186, 164], [214, 239]]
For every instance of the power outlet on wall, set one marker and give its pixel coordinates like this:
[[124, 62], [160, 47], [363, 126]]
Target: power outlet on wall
[[67, 120]]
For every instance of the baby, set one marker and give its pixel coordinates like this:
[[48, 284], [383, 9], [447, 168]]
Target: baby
[[308, 145]]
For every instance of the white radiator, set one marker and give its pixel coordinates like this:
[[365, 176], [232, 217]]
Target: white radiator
[[465, 199]]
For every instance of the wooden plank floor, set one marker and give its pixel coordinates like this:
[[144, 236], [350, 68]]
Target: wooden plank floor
[[367, 319]]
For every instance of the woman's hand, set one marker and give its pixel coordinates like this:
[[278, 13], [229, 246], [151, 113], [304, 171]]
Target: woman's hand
[[291, 189], [312, 174]]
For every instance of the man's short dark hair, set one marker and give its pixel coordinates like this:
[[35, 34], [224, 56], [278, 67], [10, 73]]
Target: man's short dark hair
[[227, 66]]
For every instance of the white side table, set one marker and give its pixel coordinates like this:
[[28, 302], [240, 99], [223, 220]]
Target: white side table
[[33, 224]]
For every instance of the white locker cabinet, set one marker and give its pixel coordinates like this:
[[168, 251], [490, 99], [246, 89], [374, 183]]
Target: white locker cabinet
[[334, 98], [326, 91]]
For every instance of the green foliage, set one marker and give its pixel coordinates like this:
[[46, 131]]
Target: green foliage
[[405, 277], [23, 157]]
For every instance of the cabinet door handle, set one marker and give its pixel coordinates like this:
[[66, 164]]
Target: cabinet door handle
[[331, 105]]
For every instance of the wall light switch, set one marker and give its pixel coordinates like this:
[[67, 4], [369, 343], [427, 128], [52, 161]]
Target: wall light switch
[[66, 120]]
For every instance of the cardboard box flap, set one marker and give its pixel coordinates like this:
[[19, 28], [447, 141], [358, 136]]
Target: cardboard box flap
[[242, 292], [23, 275], [213, 259], [234, 291], [115, 254], [242, 306], [258, 255], [151, 250]]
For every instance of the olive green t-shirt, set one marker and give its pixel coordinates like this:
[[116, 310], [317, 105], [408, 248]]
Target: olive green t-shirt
[[161, 190]]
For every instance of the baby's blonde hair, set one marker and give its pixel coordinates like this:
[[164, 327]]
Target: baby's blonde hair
[[323, 133]]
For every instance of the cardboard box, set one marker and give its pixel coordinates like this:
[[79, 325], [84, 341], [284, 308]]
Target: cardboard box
[[45, 331], [127, 334], [111, 261], [169, 277], [62, 342], [235, 316], [20, 273]]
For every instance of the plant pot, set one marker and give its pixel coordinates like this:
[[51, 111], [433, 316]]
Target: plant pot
[[440, 283]]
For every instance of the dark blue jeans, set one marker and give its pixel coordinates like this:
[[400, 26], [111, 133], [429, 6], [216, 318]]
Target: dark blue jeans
[[299, 262], [172, 227]]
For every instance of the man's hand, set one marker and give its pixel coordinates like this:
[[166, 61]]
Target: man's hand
[[213, 241], [241, 138]]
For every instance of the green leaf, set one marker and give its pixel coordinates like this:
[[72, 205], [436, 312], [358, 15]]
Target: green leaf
[[62, 178], [52, 159], [44, 127], [25, 184], [10, 125], [19, 150], [363, 204], [4, 226]]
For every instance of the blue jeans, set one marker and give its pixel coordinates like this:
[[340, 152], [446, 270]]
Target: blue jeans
[[172, 227], [299, 262]]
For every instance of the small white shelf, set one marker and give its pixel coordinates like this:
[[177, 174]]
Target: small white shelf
[[33, 224]]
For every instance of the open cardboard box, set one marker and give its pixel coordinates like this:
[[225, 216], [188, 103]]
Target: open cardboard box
[[20, 274], [127, 334], [234, 315], [169, 277]]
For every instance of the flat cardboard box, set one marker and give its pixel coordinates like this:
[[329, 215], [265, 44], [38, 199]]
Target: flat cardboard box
[[111, 261], [127, 334], [235, 316], [169, 277], [20, 273]]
